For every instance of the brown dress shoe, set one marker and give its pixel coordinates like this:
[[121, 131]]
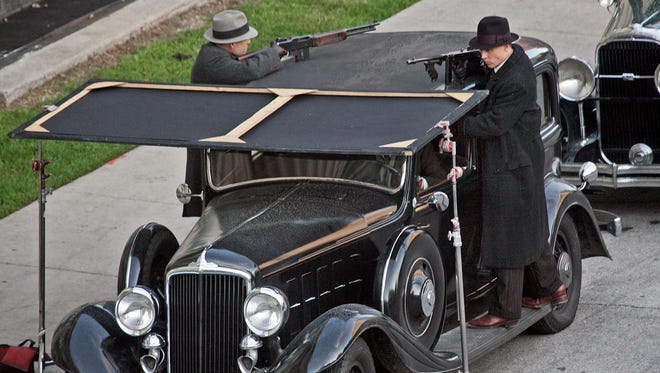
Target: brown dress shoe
[[558, 297], [489, 321]]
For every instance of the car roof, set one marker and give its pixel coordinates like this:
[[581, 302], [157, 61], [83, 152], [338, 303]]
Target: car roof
[[359, 96]]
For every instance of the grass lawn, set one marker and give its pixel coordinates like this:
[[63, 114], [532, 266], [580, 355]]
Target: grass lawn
[[156, 63]]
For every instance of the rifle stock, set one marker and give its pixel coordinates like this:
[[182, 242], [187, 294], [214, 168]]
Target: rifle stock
[[298, 46]]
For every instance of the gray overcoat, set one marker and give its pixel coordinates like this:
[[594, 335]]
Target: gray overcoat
[[511, 160], [215, 65]]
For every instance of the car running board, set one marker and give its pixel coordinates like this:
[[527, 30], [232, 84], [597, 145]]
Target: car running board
[[482, 341]]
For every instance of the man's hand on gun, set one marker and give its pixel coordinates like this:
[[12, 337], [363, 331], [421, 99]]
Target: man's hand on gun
[[280, 51]]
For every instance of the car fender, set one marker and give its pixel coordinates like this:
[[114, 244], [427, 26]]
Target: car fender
[[151, 246], [563, 198], [409, 236], [323, 342], [579, 148], [89, 340]]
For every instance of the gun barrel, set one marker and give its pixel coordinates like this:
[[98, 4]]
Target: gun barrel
[[362, 28], [414, 60], [443, 57]]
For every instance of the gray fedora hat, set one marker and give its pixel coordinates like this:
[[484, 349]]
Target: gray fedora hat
[[230, 26]]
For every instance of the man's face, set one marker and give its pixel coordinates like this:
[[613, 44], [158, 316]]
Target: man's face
[[240, 48], [493, 57]]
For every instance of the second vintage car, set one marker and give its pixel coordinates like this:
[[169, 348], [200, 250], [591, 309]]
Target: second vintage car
[[612, 112], [315, 249]]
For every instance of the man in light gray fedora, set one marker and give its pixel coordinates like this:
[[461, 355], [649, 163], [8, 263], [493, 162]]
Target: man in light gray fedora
[[229, 37], [218, 63]]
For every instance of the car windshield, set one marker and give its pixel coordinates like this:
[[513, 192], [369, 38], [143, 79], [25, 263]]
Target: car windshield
[[234, 167], [644, 12]]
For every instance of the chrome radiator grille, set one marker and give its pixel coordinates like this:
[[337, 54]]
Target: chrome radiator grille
[[205, 320], [629, 109]]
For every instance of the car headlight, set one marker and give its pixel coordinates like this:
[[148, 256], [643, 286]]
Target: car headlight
[[657, 78], [136, 310], [266, 310], [576, 79]]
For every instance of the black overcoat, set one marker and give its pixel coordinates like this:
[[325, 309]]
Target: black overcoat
[[511, 161]]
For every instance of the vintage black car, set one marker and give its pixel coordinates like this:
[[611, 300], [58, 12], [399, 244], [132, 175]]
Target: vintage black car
[[316, 249], [613, 112]]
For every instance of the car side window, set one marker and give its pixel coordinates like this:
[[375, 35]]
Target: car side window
[[542, 98]]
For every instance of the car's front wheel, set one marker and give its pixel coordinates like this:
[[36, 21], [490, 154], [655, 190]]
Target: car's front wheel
[[358, 359], [568, 257]]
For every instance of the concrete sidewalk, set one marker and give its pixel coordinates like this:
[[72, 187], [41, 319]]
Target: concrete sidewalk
[[89, 220]]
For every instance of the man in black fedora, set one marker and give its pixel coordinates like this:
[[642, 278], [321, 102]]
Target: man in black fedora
[[514, 234], [228, 39]]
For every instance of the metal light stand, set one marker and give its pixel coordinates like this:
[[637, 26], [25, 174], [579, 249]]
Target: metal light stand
[[39, 165], [447, 145]]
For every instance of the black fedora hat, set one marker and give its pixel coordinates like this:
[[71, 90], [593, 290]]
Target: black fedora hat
[[492, 32]]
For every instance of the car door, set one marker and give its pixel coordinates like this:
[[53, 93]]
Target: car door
[[439, 223]]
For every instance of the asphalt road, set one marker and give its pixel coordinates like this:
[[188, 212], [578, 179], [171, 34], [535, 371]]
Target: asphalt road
[[616, 326], [89, 221]]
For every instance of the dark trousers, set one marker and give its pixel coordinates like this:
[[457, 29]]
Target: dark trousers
[[537, 279]]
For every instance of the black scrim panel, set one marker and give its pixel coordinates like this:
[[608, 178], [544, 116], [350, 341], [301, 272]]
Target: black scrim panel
[[370, 67], [152, 116], [188, 116], [335, 123]]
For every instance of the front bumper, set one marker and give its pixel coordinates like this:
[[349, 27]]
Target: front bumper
[[616, 175], [89, 340]]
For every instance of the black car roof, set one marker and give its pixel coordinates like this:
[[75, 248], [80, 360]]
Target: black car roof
[[358, 96]]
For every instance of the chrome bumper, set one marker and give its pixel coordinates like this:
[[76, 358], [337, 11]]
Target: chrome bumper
[[616, 175], [608, 221]]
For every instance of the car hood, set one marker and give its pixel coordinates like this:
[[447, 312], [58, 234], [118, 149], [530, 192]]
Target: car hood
[[638, 20], [273, 223], [635, 31]]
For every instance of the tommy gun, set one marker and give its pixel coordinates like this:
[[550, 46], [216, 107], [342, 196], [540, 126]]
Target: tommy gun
[[464, 69], [298, 46]]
